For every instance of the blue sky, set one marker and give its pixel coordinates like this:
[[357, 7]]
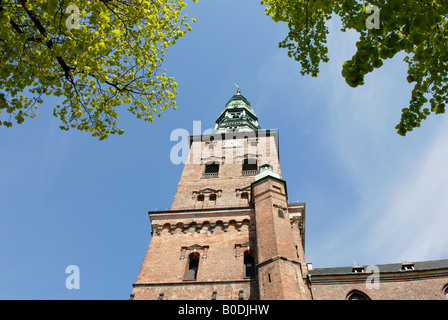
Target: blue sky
[[371, 196]]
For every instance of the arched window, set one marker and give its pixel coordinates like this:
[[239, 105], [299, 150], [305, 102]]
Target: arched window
[[357, 295], [249, 265], [201, 197], [445, 291], [212, 197], [193, 265]]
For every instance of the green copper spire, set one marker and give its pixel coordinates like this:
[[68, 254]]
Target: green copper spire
[[237, 116], [266, 170]]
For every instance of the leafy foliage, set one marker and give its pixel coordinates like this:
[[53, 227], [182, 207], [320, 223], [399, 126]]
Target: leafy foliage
[[418, 28], [112, 61]]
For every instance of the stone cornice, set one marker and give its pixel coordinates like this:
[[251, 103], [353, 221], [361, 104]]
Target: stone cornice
[[191, 282], [196, 226], [202, 210]]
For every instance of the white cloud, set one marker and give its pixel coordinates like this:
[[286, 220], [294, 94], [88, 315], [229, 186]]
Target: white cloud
[[403, 202], [403, 205], [413, 224]]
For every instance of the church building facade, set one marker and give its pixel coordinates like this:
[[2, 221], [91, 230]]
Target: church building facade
[[232, 234]]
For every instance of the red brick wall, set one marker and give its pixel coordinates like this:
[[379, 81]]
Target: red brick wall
[[279, 271], [198, 291], [221, 236], [274, 234], [230, 177], [221, 248], [415, 286]]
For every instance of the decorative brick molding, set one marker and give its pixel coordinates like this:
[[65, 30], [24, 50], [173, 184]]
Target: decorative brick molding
[[213, 159], [197, 227], [280, 207], [238, 192], [206, 191], [240, 248], [185, 251]]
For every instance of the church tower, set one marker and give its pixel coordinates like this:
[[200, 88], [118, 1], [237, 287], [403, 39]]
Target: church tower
[[230, 232]]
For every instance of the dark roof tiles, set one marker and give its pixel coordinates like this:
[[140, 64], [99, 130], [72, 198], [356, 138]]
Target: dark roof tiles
[[384, 268]]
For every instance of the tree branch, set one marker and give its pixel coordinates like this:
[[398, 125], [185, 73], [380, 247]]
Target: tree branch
[[65, 67]]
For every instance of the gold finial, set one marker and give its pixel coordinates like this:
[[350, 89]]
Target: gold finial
[[238, 91]]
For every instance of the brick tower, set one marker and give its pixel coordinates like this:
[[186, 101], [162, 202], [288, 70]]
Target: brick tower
[[230, 232]]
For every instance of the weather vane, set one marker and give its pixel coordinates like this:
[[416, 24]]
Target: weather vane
[[238, 90]]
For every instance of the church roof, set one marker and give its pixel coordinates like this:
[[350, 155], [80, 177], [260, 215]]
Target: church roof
[[384, 268]]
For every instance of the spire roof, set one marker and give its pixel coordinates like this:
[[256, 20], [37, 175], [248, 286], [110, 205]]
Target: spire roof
[[237, 116]]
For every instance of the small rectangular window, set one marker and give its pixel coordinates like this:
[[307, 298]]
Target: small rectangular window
[[407, 267], [212, 168], [281, 214], [249, 265], [250, 167]]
